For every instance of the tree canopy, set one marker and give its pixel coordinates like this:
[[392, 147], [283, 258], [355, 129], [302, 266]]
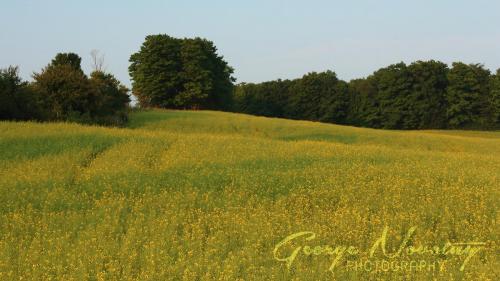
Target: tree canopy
[[65, 89], [17, 102], [170, 72], [422, 95], [188, 73], [62, 92], [467, 95]]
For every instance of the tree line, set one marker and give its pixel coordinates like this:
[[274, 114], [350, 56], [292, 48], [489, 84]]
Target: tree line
[[166, 72], [62, 92], [422, 95], [188, 73]]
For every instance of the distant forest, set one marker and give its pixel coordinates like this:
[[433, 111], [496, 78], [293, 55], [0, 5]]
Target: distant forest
[[422, 95], [188, 73]]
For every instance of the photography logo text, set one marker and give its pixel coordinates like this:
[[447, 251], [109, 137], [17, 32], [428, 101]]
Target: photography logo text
[[407, 256]]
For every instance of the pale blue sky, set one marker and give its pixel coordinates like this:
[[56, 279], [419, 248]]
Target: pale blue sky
[[262, 40]]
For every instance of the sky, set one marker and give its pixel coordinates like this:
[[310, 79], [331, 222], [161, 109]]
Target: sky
[[262, 40]]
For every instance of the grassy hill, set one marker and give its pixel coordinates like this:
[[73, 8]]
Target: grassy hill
[[183, 195]]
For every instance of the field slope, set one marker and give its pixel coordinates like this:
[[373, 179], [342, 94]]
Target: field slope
[[183, 195]]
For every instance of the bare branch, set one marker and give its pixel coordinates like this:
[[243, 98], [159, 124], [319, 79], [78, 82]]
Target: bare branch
[[97, 60]]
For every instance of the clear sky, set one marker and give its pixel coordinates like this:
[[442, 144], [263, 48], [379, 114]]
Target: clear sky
[[262, 40]]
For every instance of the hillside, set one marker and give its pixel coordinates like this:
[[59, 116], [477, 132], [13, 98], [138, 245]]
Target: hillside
[[185, 195]]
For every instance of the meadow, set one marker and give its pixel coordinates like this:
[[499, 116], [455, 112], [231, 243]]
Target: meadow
[[204, 195]]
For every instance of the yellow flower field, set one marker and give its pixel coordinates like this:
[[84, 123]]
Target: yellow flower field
[[184, 195]]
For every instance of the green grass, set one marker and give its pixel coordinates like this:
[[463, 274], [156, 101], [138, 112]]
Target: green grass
[[183, 195]]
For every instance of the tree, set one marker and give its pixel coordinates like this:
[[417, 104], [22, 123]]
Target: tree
[[264, 99], [180, 73], [467, 95], [9, 89], [427, 101], [17, 101], [220, 95], [155, 71], [64, 89], [196, 75], [111, 99], [61, 91], [318, 96], [394, 87], [422, 95], [363, 103], [65, 92], [97, 61], [407, 97], [70, 59], [494, 101]]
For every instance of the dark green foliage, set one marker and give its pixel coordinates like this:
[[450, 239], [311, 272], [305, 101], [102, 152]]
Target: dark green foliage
[[428, 96], [195, 75], [422, 95], [207, 81], [67, 94], [154, 71], [403, 97], [363, 103], [318, 96], [70, 59], [265, 99], [467, 96], [112, 99], [394, 85], [169, 72], [494, 101], [17, 101], [188, 73], [10, 85], [62, 92]]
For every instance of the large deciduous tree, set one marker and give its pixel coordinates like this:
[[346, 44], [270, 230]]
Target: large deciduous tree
[[467, 95], [155, 71], [169, 72]]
